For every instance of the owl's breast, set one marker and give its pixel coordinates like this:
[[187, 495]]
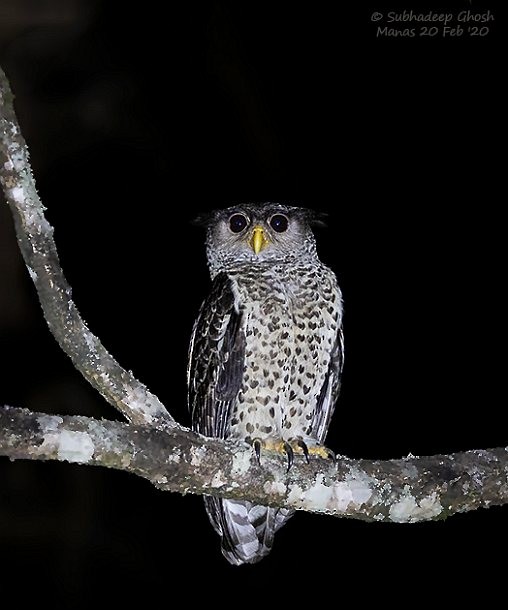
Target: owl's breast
[[290, 322]]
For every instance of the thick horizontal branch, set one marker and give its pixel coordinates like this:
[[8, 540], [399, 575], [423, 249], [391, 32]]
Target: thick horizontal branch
[[153, 446], [402, 491], [35, 237]]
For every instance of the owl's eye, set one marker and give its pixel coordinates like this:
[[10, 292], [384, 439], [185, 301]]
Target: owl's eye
[[237, 223], [279, 223]]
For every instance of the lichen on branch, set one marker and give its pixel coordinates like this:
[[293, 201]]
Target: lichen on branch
[[35, 238], [173, 458], [401, 491]]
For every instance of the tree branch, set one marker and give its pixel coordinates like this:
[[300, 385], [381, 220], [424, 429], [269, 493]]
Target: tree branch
[[153, 446], [35, 238], [402, 491]]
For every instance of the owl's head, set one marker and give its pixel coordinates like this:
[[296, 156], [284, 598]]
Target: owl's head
[[259, 233]]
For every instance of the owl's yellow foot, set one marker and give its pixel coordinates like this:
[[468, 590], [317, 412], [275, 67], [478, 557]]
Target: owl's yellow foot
[[314, 449], [275, 446], [290, 448]]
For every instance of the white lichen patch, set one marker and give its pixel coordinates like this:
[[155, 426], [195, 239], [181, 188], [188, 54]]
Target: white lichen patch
[[488, 456], [31, 211], [32, 273], [97, 429], [108, 439], [360, 492], [295, 496], [339, 497], [174, 457], [320, 495], [139, 399], [476, 475], [403, 510], [241, 463], [408, 510], [197, 455], [218, 479], [18, 194], [274, 487], [361, 485], [324, 498], [90, 339], [410, 471], [48, 423], [431, 506], [75, 446]]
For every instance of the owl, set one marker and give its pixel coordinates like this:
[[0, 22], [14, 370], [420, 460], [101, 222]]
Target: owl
[[266, 353]]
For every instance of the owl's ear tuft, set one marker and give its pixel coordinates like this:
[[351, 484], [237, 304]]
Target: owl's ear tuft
[[319, 220], [315, 218], [204, 219]]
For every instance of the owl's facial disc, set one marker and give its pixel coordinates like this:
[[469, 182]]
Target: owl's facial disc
[[258, 240]]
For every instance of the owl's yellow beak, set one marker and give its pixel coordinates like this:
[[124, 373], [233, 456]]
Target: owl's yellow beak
[[258, 241]]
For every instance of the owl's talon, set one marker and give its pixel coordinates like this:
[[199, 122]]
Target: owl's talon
[[331, 456], [290, 453], [290, 448], [256, 443], [314, 450], [304, 449]]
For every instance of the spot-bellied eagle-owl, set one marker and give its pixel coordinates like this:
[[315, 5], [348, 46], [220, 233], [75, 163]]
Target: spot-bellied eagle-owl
[[266, 353]]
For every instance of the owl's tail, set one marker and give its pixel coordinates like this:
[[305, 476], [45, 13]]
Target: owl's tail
[[246, 530]]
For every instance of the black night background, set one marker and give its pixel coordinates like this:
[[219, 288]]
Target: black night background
[[141, 116]]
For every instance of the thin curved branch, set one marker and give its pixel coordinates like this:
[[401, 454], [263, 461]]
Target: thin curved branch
[[155, 447], [35, 237], [402, 491]]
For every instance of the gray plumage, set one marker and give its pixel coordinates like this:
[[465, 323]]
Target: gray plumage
[[266, 352]]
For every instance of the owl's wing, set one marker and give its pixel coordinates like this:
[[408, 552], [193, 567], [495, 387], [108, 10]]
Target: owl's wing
[[330, 391], [215, 373], [216, 360]]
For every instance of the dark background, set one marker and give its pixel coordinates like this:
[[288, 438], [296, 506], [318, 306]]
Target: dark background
[[138, 118]]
